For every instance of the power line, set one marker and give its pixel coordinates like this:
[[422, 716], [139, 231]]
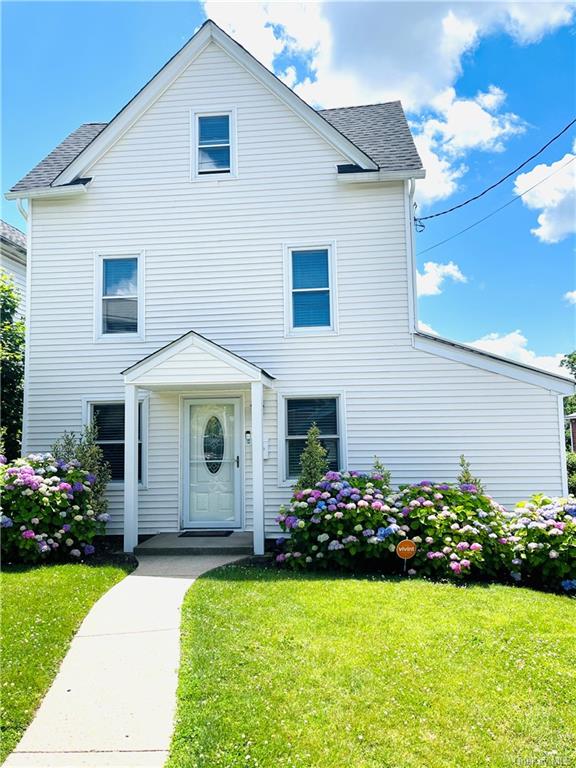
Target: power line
[[419, 219], [493, 213]]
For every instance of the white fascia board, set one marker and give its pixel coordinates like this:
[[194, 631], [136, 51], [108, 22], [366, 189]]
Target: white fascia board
[[509, 368], [175, 66], [371, 177], [70, 190]]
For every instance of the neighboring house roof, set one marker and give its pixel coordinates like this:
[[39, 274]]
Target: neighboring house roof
[[12, 242], [12, 235], [455, 350], [376, 136], [380, 130]]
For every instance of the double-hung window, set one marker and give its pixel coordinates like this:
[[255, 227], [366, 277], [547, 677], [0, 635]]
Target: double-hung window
[[301, 413], [109, 421], [214, 152], [311, 292], [120, 307]]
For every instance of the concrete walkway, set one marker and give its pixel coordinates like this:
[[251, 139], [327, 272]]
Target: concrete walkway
[[112, 703]]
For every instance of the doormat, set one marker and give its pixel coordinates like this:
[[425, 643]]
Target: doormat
[[191, 534]]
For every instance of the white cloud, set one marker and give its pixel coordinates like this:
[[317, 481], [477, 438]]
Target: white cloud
[[514, 345], [570, 297], [359, 53], [555, 197], [458, 126], [431, 280]]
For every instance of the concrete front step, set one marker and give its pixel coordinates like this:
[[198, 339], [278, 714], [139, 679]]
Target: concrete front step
[[240, 543]]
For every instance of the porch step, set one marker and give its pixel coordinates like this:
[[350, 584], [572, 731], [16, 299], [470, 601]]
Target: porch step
[[240, 543]]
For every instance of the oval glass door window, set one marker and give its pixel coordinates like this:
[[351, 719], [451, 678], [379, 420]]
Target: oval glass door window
[[213, 444]]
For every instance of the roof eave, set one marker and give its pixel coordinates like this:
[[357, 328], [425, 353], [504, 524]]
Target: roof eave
[[67, 190], [370, 177]]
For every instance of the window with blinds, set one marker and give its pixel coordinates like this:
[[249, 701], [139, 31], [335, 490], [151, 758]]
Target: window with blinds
[[109, 420], [310, 278], [301, 413], [119, 295], [214, 144]]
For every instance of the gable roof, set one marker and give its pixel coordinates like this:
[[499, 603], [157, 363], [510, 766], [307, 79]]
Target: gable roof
[[192, 340], [12, 236], [374, 137]]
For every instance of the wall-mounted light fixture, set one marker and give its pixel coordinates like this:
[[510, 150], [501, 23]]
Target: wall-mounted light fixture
[[248, 437]]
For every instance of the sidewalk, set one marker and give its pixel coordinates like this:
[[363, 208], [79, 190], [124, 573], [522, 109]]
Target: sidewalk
[[113, 700]]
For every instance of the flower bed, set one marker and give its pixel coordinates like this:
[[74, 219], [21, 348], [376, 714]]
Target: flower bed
[[46, 509], [542, 536], [351, 520]]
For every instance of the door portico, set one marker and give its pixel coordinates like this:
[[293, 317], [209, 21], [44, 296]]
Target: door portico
[[213, 445]]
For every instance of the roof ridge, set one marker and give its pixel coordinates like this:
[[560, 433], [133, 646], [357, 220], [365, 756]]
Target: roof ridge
[[357, 106]]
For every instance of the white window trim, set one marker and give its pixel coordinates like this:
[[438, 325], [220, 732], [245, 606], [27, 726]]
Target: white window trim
[[297, 393], [99, 257], [194, 148], [332, 329], [144, 400]]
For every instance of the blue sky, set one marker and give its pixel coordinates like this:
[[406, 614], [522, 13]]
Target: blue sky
[[484, 86]]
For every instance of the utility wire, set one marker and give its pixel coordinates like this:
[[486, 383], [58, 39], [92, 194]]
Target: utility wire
[[419, 219], [493, 213]]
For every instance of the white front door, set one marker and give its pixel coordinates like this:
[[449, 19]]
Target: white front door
[[212, 478]]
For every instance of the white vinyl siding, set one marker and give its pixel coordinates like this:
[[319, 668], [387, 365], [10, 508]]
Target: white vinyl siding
[[414, 410]]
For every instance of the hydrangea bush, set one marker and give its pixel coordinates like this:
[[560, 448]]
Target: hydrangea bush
[[351, 519], [542, 537], [46, 509], [337, 521]]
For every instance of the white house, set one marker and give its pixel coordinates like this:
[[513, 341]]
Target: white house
[[220, 266], [13, 259]]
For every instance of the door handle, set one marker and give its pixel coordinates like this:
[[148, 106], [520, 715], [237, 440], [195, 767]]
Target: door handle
[[238, 462]]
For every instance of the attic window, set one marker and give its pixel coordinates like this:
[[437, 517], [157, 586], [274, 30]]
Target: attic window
[[213, 148]]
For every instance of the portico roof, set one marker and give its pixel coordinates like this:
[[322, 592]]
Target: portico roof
[[193, 359]]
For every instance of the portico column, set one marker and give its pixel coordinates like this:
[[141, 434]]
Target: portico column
[[258, 466], [130, 467]]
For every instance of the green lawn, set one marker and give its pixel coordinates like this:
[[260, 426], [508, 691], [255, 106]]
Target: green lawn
[[281, 671], [41, 609]]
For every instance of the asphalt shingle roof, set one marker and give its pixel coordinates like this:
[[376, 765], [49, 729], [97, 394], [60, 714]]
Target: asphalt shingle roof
[[12, 235], [379, 130], [47, 170]]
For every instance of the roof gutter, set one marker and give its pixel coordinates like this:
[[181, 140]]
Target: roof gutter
[[371, 177], [68, 190]]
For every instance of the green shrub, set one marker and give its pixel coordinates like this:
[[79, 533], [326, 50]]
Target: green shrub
[[542, 537], [351, 520], [466, 477], [12, 336], [313, 462], [47, 510], [84, 449], [336, 521], [571, 467]]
